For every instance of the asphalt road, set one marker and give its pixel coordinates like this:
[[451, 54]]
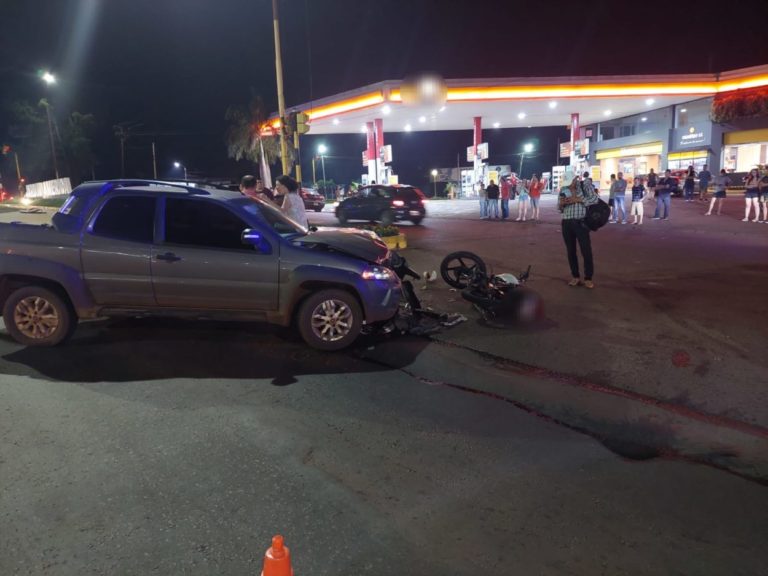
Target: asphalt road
[[624, 435]]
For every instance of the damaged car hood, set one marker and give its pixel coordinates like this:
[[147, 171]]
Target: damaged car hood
[[362, 244]]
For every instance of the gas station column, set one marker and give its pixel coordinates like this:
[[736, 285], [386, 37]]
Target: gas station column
[[370, 152], [478, 133], [574, 137], [379, 135], [476, 141]]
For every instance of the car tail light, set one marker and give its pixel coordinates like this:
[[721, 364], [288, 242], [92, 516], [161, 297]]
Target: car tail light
[[398, 203]]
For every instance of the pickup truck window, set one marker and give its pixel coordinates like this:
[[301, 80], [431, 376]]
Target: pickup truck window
[[274, 218], [127, 218], [200, 223]]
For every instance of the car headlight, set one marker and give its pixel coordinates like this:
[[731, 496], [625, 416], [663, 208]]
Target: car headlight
[[377, 273]]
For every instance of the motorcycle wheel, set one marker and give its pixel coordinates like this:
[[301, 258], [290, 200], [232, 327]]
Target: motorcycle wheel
[[458, 268]]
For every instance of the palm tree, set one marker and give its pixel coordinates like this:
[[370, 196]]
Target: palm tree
[[243, 134]]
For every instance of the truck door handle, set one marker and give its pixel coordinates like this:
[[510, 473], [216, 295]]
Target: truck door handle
[[168, 257]]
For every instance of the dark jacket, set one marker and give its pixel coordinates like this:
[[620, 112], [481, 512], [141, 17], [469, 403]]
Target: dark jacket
[[493, 192]]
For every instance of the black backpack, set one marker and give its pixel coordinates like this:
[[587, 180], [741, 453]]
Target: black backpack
[[597, 214]]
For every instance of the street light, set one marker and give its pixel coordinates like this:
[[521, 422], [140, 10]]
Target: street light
[[527, 149], [434, 182], [180, 165], [322, 149], [49, 79]]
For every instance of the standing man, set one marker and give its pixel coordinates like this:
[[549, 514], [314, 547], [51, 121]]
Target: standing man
[[612, 198], [618, 199], [652, 181], [704, 177], [492, 194], [483, 195], [572, 202], [664, 187], [504, 198], [253, 187]]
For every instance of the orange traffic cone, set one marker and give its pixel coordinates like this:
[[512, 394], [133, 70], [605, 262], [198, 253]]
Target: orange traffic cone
[[277, 560]]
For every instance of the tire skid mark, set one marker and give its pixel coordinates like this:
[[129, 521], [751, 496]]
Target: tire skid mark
[[686, 411]]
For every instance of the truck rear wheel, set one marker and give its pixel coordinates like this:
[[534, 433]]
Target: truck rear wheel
[[36, 316], [330, 319]]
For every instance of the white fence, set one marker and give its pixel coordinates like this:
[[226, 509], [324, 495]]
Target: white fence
[[48, 188]]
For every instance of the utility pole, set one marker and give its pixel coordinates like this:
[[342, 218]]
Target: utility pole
[[280, 95]]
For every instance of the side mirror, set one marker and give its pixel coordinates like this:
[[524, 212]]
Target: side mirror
[[255, 239]]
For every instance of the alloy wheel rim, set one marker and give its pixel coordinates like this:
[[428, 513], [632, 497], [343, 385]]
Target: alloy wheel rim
[[332, 320], [36, 318]]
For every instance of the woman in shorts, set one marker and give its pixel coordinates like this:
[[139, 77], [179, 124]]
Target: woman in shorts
[[752, 195], [721, 182]]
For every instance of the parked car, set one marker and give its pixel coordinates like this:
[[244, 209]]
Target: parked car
[[386, 204], [142, 247], [312, 200], [5, 196]]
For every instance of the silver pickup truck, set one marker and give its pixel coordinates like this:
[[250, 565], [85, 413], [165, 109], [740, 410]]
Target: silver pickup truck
[[147, 248]]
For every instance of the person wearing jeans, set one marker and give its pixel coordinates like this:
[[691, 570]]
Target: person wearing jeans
[[618, 200], [492, 199], [504, 185], [572, 202], [664, 188], [482, 195]]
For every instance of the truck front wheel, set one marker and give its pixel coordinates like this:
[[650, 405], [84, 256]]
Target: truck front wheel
[[36, 316], [330, 320]]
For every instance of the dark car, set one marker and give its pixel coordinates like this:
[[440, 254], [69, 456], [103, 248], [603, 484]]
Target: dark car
[[312, 200], [385, 204]]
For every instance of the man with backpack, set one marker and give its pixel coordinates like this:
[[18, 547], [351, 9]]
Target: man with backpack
[[572, 202]]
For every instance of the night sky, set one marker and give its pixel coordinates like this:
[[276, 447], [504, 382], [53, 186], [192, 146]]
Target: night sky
[[174, 66]]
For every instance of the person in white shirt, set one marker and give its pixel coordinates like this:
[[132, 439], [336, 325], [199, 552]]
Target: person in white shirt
[[293, 205]]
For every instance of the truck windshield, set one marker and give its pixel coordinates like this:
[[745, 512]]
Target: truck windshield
[[274, 218]]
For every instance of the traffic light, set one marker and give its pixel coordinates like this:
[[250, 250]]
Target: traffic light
[[302, 123], [290, 124], [6, 149]]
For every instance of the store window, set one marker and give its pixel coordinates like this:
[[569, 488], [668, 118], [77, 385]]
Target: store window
[[681, 160], [692, 113], [744, 157], [639, 124]]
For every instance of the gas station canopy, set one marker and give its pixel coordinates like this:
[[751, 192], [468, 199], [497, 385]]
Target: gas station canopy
[[518, 102]]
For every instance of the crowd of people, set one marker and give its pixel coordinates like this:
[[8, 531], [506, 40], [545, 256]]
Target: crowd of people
[[495, 198], [573, 202]]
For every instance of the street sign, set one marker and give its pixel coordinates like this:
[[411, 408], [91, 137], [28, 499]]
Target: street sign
[[482, 151], [365, 157], [385, 153]]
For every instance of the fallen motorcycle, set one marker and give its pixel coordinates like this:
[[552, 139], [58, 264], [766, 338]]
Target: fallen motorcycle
[[498, 297], [412, 317]]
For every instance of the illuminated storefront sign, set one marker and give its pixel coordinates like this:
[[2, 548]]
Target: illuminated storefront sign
[[693, 136]]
